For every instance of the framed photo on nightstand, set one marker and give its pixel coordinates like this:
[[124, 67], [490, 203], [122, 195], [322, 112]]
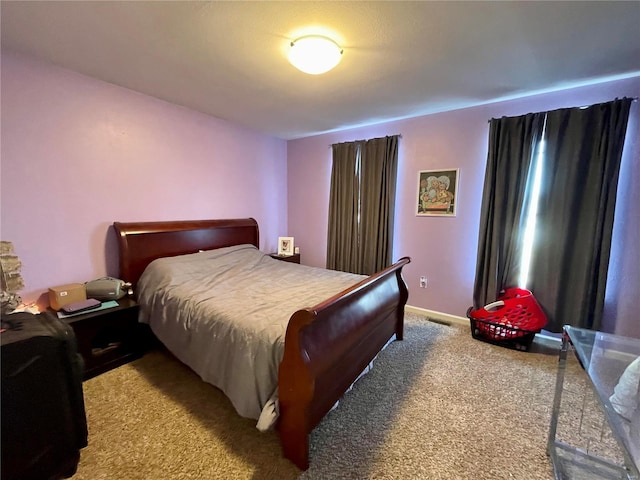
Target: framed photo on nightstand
[[285, 245]]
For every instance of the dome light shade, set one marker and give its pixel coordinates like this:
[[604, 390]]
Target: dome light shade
[[314, 54]]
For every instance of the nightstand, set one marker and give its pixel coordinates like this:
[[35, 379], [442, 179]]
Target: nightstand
[[108, 338], [295, 258]]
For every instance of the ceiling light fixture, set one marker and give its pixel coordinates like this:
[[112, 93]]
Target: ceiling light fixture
[[314, 54]]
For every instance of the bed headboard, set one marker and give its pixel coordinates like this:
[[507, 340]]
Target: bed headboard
[[142, 242]]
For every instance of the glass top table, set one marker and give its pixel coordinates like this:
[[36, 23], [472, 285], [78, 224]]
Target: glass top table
[[588, 439]]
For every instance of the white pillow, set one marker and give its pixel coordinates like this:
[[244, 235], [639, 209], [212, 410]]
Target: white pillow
[[626, 396]]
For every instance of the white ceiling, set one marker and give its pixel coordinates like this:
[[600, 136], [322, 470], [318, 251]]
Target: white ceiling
[[401, 59]]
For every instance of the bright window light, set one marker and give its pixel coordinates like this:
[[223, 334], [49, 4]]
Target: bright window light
[[532, 213]]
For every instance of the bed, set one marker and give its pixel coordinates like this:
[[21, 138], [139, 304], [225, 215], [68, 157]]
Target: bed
[[325, 345]]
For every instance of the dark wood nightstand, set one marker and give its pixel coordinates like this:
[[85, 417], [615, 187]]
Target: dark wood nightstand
[[295, 258], [108, 338]]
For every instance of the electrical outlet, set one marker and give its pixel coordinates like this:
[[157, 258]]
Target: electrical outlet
[[423, 282]]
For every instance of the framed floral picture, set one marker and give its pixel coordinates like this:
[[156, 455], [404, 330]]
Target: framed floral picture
[[285, 245], [437, 193]]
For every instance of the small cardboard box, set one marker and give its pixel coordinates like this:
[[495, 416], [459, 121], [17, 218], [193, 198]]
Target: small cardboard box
[[66, 294]]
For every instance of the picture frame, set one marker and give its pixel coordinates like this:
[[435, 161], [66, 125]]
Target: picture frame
[[285, 246], [437, 193]]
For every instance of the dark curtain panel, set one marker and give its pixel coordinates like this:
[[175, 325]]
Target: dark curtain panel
[[342, 245], [379, 165], [575, 217], [512, 148], [361, 205]]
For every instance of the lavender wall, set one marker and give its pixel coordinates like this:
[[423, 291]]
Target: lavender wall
[[79, 154], [444, 249]]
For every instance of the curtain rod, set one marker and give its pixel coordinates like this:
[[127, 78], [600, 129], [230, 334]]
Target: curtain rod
[[633, 99], [399, 135]]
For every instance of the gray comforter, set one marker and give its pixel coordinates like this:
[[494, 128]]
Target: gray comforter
[[224, 313]]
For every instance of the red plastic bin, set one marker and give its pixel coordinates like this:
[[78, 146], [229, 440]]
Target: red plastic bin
[[511, 321]]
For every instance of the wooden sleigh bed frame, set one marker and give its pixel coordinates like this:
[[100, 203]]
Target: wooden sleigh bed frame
[[326, 346]]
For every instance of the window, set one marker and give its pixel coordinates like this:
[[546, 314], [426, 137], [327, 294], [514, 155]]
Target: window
[[531, 216], [548, 209], [361, 205]]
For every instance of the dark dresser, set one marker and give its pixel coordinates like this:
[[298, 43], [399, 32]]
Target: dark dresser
[[43, 416]]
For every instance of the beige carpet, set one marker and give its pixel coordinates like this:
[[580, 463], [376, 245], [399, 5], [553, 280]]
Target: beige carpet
[[438, 405]]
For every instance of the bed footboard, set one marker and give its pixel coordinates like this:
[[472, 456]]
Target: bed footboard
[[328, 346]]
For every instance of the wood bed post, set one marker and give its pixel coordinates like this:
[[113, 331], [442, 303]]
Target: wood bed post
[[404, 296], [296, 389]]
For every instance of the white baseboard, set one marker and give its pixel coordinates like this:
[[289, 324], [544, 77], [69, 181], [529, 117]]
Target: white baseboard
[[545, 337], [444, 317]]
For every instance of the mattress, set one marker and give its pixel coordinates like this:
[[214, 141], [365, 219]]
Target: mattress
[[224, 313]]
